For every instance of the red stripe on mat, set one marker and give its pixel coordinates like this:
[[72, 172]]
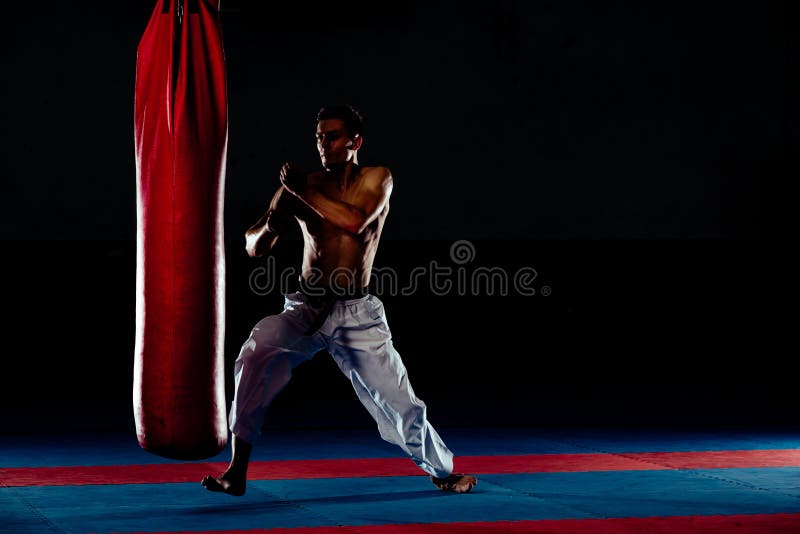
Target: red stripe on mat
[[377, 467], [740, 524]]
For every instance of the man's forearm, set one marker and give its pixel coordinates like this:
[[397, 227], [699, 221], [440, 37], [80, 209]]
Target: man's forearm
[[260, 237], [336, 212]]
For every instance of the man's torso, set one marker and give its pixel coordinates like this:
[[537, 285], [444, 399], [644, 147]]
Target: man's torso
[[332, 256]]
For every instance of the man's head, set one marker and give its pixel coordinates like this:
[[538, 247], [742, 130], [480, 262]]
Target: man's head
[[339, 131]]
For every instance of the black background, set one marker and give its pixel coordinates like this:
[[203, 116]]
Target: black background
[[622, 150]]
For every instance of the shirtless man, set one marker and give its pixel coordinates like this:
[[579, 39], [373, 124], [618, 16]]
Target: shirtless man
[[341, 210]]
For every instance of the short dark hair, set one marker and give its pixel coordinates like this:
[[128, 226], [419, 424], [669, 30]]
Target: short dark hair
[[352, 118]]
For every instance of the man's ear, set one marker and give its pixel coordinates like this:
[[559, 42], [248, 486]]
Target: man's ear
[[355, 143]]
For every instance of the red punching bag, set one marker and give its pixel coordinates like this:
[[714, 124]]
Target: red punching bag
[[181, 135]]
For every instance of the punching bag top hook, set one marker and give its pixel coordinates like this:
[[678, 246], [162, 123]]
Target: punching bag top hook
[[178, 8]]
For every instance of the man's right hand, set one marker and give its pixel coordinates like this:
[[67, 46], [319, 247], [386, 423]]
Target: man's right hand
[[293, 179]]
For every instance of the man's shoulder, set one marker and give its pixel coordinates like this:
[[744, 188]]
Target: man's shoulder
[[377, 175], [375, 170]]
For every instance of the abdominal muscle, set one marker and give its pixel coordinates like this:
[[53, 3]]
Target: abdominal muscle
[[335, 259]]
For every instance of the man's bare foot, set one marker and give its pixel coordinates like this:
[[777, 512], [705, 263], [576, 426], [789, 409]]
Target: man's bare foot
[[456, 482], [225, 483], [234, 480]]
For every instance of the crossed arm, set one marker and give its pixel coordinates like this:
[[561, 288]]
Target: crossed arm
[[353, 218], [262, 236]]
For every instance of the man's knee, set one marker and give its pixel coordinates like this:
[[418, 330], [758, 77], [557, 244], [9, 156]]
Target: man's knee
[[260, 355], [272, 331]]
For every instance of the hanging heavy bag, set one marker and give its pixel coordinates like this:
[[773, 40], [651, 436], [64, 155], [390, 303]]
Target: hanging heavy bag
[[181, 133]]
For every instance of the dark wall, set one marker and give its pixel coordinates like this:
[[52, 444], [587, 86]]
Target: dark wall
[[618, 332], [619, 149], [502, 119]]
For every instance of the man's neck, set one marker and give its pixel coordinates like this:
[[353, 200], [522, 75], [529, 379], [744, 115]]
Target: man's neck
[[343, 175]]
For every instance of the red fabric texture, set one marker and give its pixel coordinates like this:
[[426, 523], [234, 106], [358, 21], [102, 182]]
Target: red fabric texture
[[181, 133]]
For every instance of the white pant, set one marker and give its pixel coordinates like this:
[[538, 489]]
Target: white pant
[[357, 335]]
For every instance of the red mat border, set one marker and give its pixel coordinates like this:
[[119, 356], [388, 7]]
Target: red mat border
[[378, 467], [715, 524]]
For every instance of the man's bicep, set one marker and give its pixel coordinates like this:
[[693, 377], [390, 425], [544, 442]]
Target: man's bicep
[[378, 195]]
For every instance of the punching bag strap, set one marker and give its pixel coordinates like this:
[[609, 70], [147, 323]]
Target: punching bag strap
[[193, 8]]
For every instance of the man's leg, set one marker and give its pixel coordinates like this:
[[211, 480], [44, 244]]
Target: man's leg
[[363, 350], [276, 345], [234, 480]]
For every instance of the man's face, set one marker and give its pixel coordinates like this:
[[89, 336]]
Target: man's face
[[334, 144]]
